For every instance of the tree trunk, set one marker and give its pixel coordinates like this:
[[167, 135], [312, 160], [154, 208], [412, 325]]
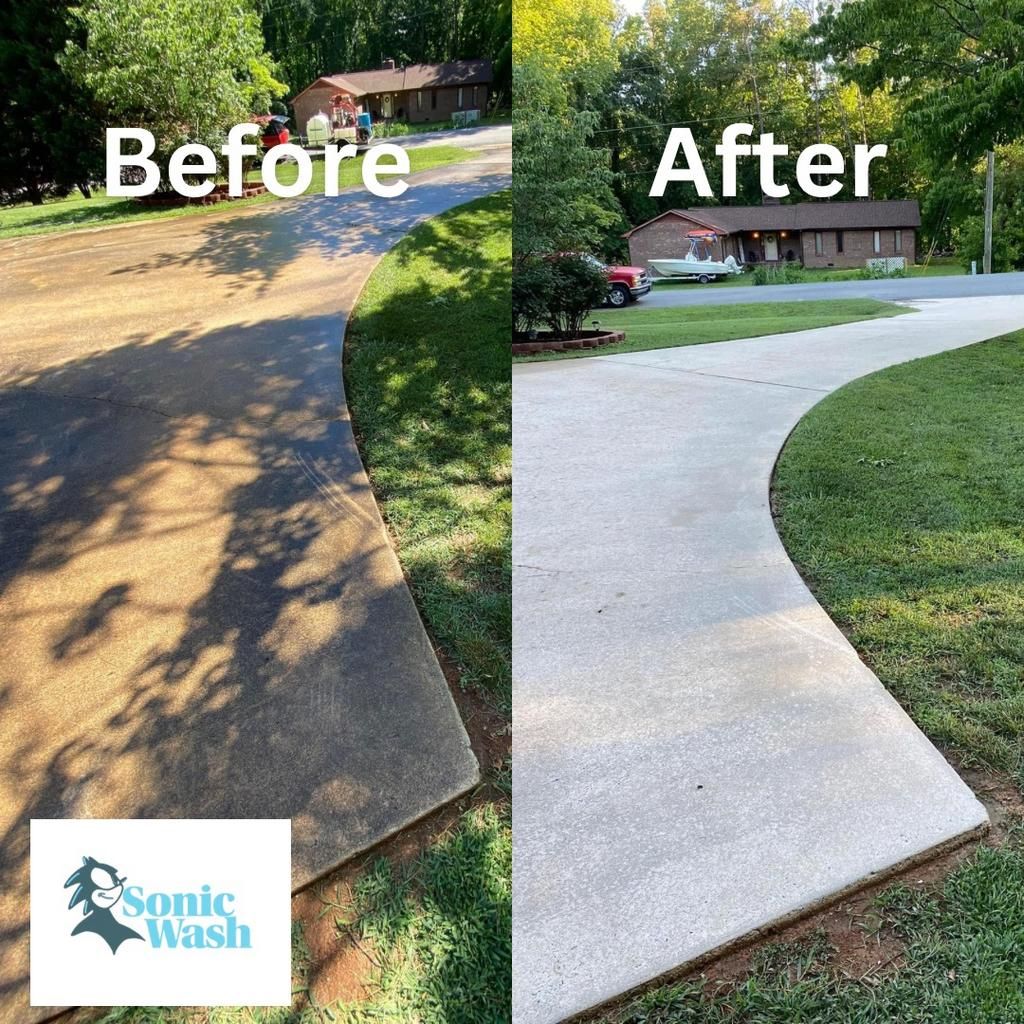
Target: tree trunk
[[85, 190]]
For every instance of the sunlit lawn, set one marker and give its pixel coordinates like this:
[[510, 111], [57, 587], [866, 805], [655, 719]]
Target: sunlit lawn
[[648, 328]]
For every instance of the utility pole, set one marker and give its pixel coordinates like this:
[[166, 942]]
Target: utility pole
[[990, 175]]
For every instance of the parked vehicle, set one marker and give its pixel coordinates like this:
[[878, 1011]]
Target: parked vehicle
[[697, 264], [625, 284], [275, 133]]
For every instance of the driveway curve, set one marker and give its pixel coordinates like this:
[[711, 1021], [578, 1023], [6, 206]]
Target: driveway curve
[[699, 752], [200, 611]]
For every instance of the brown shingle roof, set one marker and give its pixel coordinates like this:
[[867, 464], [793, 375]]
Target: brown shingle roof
[[861, 213], [864, 213], [413, 76]]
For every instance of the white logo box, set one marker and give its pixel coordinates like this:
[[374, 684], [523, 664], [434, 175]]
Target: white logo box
[[168, 912]]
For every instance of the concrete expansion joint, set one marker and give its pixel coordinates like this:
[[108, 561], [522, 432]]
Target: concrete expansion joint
[[68, 396], [621, 360]]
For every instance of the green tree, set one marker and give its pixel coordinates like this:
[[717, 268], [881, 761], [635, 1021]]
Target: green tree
[[310, 38], [52, 138], [186, 70], [561, 189], [571, 39], [957, 66], [1008, 217]]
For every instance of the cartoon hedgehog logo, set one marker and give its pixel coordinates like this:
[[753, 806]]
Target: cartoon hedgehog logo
[[98, 887]]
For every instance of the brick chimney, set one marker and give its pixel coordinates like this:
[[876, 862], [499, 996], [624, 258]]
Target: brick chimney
[[388, 64]]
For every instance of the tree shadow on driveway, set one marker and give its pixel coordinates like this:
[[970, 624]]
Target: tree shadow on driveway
[[200, 614]]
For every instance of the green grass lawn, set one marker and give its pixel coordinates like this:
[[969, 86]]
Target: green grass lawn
[[697, 325], [901, 499], [427, 378], [428, 382], [75, 212], [961, 964]]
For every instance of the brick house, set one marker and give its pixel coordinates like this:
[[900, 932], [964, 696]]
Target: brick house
[[415, 93], [819, 234]]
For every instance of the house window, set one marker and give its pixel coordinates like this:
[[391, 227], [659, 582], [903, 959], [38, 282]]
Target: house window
[[819, 243], [839, 241], [877, 242], [433, 99], [419, 99], [897, 240], [460, 97]]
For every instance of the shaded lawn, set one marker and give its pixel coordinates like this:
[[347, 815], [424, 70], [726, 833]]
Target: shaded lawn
[[697, 325], [75, 212], [901, 499], [428, 382], [427, 378]]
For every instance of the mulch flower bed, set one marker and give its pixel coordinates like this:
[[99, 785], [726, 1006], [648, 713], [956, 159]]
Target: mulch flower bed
[[218, 195], [545, 342]]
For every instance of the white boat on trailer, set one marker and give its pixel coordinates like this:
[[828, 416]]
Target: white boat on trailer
[[695, 265]]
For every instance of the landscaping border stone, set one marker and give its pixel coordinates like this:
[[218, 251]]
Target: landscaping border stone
[[586, 339]]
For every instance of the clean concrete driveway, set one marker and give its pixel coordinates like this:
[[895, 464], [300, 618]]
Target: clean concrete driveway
[[698, 750], [200, 612], [898, 290]]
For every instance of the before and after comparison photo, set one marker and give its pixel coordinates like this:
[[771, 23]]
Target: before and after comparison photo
[[512, 512]]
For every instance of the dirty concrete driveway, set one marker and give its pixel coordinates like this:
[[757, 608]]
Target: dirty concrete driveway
[[200, 613]]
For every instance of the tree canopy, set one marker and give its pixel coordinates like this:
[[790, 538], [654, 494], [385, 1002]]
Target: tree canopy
[[52, 135], [186, 70], [310, 38]]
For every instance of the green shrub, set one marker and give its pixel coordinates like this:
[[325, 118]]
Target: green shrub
[[786, 273], [532, 282], [577, 286]]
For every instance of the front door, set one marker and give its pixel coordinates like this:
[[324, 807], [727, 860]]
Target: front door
[[387, 105], [771, 248]]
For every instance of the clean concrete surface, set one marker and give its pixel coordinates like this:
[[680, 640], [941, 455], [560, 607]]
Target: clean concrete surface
[[698, 750], [896, 290], [200, 611]]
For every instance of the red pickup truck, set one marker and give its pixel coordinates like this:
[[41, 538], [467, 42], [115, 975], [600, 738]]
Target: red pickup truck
[[625, 284]]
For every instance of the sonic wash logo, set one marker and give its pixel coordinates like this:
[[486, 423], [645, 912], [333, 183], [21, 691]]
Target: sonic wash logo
[[190, 912], [173, 920]]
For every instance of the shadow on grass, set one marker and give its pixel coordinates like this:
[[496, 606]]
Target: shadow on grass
[[429, 384]]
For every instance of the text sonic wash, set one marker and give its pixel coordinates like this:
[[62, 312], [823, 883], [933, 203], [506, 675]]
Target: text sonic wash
[[205, 165]]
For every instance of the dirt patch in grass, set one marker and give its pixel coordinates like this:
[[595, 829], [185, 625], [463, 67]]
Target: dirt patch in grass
[[340, 969]]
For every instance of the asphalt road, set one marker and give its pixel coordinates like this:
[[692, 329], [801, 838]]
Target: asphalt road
[[951, 287], [200, 611]]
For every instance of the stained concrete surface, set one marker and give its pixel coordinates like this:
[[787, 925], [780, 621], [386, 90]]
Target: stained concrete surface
[[200, 611], [698, 750]]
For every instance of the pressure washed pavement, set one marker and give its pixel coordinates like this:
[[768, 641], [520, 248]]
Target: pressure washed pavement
[[200, 611], [698, 750]]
